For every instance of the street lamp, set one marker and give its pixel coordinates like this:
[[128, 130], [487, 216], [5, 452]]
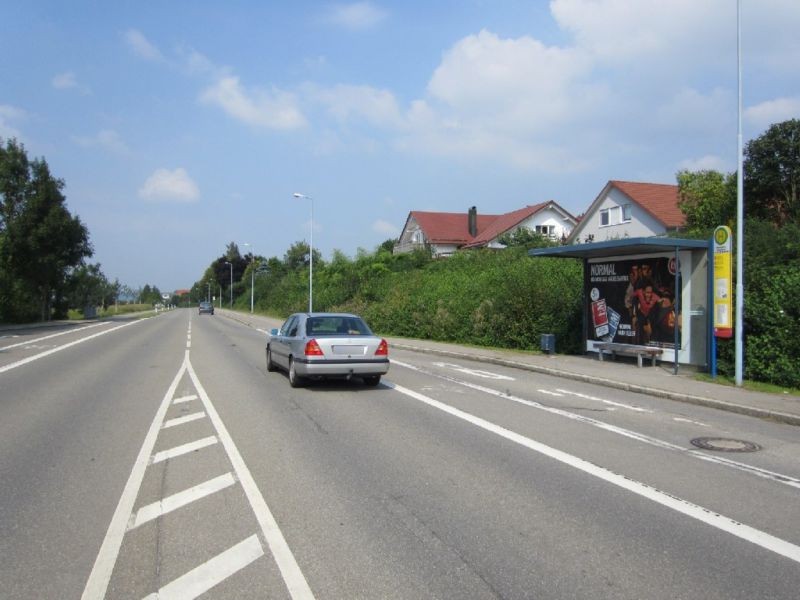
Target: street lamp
[[310, 254], [231, 264], [252, 275]]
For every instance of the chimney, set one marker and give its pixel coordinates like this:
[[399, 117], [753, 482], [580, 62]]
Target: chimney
[[472, 222]]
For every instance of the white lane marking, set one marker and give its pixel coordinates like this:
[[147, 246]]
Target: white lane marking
[[47, 337], [30, 359], [181, 420], [179, 500], [292, 575], [198, 581], [107, 556], [476, 372], [183, 449], [704, 515], [549, 393], [604, 401], [771, 475], [262, 330], [188, 398], [682, 420]]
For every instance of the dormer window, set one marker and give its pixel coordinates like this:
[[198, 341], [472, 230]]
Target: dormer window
[[626, 213]]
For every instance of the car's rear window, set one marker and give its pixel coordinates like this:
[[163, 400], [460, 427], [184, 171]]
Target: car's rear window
[[336, 326]]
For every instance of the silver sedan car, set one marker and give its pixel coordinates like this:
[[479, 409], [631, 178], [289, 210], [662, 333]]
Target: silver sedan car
[[327, 345]]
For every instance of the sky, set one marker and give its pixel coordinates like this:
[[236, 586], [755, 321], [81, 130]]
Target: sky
[[179, 127]]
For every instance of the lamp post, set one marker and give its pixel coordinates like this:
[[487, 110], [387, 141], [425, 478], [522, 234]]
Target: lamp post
[[252, 275], [208, 294], [231, 265], [310, 254]]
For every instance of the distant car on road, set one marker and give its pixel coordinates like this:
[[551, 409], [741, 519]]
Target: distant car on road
[[206, 307], [327, 345]]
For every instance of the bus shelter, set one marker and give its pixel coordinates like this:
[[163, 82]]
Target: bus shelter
[[647, 291]]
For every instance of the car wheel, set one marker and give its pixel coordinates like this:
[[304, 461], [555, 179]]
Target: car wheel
[[294, 379], [372, 380], [270, 364]]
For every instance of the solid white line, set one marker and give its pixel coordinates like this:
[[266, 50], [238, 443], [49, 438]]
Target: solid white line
[[745, 532], [30, 359], [185, 399], [47, 337], [181, 420], [640, 437], [198, 581], [181, 499], [183, 449], [292, 575], [107, 556]]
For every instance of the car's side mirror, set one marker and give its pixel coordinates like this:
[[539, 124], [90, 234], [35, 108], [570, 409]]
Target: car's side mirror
[[273, 332]]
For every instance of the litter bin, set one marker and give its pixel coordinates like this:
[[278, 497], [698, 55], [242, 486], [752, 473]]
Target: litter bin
[[549, 342]]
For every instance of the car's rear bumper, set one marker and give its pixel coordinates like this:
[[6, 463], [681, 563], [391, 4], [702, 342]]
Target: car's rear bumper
[[340, 368]]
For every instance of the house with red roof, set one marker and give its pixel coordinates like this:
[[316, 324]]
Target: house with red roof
[[626, 209], [444, 233]]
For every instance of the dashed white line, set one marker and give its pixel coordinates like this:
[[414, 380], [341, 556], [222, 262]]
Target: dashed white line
[[181, 420], [641, 437], [176, 501], [292, 575], [182, 399], [184, 449], [198, 581], [604, 401]]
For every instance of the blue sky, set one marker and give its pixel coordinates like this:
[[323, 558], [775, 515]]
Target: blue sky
[[179, 127]]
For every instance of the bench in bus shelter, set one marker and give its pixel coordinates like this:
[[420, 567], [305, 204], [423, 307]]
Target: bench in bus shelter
[[615, 348]]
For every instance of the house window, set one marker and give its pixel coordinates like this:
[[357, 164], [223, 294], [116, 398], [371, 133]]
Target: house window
[[626, 213], [546, 230], [604, 217]]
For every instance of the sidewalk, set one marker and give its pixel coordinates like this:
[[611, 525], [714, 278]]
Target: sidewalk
[[621, 374]]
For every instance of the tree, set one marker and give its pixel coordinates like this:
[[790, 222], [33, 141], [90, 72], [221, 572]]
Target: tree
[[772, 174], [41, 240], [526, 237], [707, 198], [296, 256]]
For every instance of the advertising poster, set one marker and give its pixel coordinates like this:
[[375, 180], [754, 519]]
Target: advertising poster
[[633, 302]]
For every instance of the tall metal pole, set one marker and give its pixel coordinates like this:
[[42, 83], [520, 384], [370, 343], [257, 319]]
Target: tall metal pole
[[739, 209]]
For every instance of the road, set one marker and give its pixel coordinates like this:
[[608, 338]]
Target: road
[[157, 458]]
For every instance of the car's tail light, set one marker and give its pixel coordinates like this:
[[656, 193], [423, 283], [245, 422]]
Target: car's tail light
[[312, 348], [383, 349]]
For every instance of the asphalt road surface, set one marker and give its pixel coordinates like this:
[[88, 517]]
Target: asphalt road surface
[[157, 458]]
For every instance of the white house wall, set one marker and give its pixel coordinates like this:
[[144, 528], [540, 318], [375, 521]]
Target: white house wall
[[641, 224], [550, 218]]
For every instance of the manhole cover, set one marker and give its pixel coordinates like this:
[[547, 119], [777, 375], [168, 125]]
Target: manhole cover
[[725, 445]]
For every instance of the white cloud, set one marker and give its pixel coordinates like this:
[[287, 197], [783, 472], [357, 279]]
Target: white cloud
[[385, 228], [164, 184], [357, 16], [620, 30], [8, 115], [271, 110], [65, 81], [346, 102], [773, 111], [141, 46], [106, 139]]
